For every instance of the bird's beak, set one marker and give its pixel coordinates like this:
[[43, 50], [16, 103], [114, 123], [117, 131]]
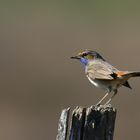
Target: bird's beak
[[75, 57]]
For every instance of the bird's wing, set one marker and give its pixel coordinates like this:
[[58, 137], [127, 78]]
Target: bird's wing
[[101, 70]]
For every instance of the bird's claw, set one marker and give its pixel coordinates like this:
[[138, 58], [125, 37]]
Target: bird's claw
[[102, 107]]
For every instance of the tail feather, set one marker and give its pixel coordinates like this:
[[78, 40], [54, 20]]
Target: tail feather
[[126, 84], [129, 75], [133, 74]]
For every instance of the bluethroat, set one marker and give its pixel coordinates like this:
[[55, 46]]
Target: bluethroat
[[103, 75]]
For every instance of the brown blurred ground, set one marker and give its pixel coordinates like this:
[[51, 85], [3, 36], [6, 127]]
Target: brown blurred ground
[[37, 78]]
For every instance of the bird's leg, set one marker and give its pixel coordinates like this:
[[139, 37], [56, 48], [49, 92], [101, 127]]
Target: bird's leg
[[102, 98], [115, 92]]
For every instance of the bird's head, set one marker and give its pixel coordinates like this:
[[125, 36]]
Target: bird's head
[[87, 55]]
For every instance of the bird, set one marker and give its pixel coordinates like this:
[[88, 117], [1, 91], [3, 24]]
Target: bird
[[103, 75]]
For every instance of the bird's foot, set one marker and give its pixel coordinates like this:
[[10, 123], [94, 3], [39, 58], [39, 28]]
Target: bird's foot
[[107, 105], [98, 104], [100, 107]]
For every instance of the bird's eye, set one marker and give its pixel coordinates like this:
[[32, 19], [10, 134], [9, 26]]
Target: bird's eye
[[84, 54]]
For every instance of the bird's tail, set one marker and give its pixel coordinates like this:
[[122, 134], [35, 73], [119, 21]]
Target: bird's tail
[[133, 74], [129, 75]]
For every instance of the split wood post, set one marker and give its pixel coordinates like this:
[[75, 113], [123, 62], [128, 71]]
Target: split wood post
[[93, 123]]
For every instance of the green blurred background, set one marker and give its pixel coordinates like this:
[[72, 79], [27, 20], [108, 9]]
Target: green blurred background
[[37, 78]]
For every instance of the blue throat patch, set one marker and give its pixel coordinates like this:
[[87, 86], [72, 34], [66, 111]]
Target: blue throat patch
[[84, 61]]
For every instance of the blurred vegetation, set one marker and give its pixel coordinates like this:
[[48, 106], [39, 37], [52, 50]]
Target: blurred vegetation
[[90, 10]]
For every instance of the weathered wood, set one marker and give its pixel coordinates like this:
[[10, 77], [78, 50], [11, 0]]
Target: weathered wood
[[110, 124], [77, 124], [93, 123], [63, 125], [99, 123]]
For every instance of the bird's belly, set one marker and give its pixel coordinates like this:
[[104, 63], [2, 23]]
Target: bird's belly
[[93, 82], [105, 84], [97, 83]]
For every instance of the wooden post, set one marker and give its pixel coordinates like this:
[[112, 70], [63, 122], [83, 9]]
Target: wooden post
[[93, 123], [63, 125]]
